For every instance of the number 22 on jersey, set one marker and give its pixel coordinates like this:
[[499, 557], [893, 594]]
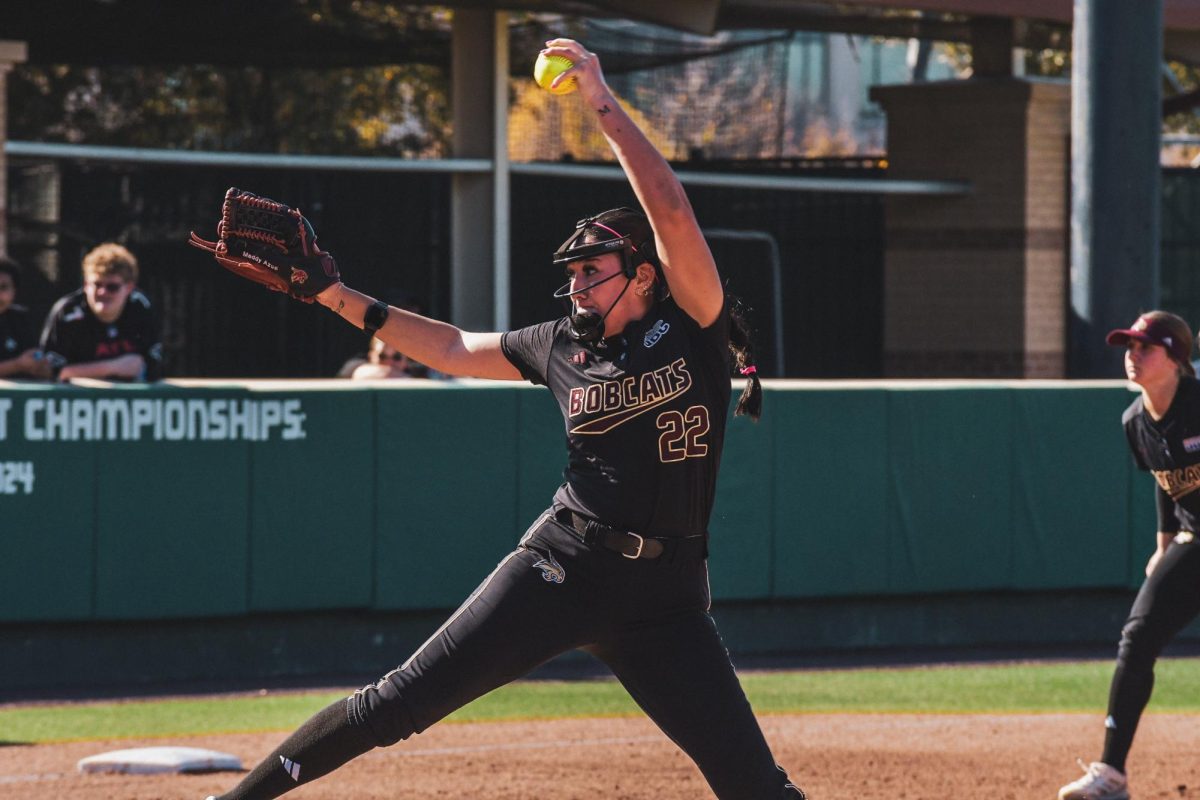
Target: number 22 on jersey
[[682, 434]]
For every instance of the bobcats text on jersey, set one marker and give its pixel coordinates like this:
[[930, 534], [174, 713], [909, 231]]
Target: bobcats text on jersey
[[622, 400]]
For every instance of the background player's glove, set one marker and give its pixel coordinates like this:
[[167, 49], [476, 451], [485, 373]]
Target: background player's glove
[[272, 244]]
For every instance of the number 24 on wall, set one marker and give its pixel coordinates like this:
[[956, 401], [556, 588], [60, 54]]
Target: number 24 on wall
[[682, 434]]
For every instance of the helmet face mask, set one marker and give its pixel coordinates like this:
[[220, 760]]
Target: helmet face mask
[[588, 326], [573, 249], [633, 253]]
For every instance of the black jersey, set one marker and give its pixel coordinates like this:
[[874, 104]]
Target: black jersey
[[74, 335], [16, 332], [1170, 450], [645, 416]]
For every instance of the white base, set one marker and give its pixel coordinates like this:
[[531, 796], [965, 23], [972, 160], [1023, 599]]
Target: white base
[[154, 760]]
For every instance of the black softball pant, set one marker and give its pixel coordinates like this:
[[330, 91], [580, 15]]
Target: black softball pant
[[647, 620], [1167, 601]]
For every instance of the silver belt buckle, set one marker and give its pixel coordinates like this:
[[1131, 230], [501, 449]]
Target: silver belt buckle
[[641, 544]]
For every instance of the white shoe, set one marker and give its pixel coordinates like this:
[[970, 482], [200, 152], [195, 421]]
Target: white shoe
[[1099, 782]]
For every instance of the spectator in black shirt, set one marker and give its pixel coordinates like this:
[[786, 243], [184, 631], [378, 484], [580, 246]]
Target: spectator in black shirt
[[19, 354], [106, 329]]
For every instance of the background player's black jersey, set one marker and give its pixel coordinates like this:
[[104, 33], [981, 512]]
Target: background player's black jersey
[[645, 416], [16, 332], [1170, 450], [75, 335]]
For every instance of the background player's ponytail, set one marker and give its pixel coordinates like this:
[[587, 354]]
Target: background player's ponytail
[[742, 348]]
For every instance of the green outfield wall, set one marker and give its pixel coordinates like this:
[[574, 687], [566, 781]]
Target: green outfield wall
[[189, 500]]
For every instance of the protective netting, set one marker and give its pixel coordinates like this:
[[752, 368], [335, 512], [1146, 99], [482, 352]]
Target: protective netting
[[742, 95], [739, 95]]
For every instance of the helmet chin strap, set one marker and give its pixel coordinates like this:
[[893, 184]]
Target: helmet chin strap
[[587, 327]]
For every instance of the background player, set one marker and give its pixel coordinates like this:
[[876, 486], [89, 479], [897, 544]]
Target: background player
[[385, 361], [1163, 430], [19, 354], [617, 565], [106, 329]]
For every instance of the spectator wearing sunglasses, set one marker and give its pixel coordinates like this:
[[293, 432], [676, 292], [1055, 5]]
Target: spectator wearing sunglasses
[[106, 329], [385, 361]]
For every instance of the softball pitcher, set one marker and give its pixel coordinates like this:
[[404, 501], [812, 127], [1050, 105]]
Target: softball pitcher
[[1162, 427], [617, 564]]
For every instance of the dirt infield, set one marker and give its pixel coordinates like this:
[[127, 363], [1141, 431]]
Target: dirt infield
[[834, 757]]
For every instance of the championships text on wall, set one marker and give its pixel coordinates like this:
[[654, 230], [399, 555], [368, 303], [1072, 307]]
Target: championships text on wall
[[125, 419]]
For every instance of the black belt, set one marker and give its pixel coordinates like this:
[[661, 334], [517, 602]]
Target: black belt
[[627, 543]]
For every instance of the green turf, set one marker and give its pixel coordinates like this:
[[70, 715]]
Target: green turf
[[1005, 688]]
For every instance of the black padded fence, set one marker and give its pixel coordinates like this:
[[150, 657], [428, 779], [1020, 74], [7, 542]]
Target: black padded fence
[[390, 233]]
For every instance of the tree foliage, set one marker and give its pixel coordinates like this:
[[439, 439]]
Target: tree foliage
[[397, 110], [400, 109]]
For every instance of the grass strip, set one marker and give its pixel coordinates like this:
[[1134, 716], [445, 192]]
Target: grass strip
[[1001, 688]]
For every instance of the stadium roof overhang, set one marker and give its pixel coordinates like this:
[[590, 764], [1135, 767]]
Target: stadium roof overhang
[[313, 33], [935, 19]]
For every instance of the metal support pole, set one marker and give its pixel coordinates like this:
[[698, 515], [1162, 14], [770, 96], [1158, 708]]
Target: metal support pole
[[1115, 175], [500, 181], [473, 196], [774, 266], [11, 54]]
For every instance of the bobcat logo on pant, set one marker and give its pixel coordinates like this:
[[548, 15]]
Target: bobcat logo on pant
[[552, 571]]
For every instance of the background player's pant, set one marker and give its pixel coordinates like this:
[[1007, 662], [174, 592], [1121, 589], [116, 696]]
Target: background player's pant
[[647, 619], [1167, 601]]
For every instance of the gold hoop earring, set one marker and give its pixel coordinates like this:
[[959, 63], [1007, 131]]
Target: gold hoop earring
[[643, 291]]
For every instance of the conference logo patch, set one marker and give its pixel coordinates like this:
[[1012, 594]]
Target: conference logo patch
[[654, 334]]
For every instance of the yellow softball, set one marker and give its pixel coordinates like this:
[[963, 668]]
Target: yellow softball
[[547, 68]]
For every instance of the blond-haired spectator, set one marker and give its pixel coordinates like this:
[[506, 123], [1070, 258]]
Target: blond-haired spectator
[[106, 329]]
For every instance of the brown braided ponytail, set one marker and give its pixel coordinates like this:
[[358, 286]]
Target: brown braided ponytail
[[742, 349]]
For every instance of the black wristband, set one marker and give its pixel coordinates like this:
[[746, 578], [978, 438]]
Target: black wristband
[[376, 315]]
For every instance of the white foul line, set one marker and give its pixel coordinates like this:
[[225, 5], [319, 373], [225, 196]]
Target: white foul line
[[45, 776]]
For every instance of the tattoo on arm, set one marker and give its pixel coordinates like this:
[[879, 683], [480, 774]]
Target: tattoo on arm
[[604, 109]]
